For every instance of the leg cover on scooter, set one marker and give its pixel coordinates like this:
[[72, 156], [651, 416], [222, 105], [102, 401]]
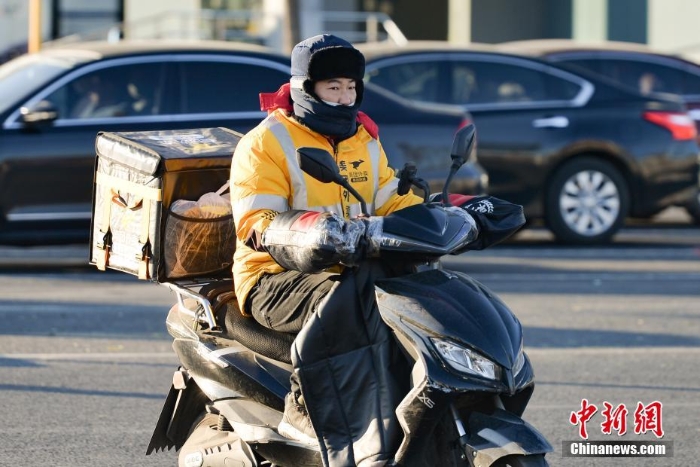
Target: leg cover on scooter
[[351, 374]]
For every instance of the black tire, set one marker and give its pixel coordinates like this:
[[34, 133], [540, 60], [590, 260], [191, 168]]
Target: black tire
[[693, 207], [587, 202], [534, 460]]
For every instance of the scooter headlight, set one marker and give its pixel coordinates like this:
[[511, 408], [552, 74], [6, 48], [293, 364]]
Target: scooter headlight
[[465, 360]]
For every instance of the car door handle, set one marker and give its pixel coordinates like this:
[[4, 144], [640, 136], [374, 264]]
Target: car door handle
[[551, 122]]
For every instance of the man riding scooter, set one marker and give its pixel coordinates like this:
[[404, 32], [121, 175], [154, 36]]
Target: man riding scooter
[[342, 396]]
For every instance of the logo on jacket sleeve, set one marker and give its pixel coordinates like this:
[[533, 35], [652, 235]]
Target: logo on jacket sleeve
[[356, 164]]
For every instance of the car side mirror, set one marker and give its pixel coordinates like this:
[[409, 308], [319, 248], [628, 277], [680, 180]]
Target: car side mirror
[[41, 112]]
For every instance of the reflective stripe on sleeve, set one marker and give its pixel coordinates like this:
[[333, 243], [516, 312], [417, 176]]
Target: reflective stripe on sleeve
[[373, 149], [255, 202], [386, 192], [295, 173]]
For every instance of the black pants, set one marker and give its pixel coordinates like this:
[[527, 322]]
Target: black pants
[[285, 301], [345, 361]]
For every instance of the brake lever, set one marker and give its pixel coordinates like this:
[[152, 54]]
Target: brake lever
[[406, 177]]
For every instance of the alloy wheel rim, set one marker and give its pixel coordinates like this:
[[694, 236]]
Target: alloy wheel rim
[[589, 203]]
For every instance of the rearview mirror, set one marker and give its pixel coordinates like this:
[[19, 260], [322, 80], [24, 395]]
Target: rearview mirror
[[463, 147], [319, 164], [463, 144]]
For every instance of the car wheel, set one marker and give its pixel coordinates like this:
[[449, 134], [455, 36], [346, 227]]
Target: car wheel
[[587, 201], [693, 207]]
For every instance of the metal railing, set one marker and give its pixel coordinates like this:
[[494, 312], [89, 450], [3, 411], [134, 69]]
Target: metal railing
[[373, 26], [244, 26]]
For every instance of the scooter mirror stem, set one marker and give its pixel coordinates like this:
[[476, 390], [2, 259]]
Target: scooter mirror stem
[[320, 165], [462, 147]]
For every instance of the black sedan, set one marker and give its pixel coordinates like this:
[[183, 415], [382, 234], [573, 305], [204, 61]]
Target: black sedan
[[52, 104], [634, 65], [578, 151]]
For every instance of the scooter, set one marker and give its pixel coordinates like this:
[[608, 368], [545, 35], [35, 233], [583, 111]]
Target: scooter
[[470, 380]]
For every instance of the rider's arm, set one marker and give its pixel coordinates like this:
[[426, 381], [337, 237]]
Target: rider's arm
[[387, 200], [259, 189]]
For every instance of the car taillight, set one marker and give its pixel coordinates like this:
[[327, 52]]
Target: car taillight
[[679, 124]]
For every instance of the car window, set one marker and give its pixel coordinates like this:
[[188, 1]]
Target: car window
[[117, 91], [417, 81], [644, 76], [590, 64], [26, 74], [481, 82], [211, 87], [691, 84]]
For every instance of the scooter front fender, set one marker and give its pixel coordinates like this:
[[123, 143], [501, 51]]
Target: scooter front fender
[[499, 434]]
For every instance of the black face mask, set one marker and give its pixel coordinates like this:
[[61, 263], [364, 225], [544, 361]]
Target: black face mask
[[338, 121]]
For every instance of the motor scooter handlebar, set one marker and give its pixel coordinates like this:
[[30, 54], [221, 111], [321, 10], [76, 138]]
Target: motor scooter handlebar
[[427, 229]]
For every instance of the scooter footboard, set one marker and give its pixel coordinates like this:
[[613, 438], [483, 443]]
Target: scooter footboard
[[493, 436]]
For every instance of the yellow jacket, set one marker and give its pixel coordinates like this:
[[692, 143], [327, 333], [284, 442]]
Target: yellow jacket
[[265, 178]]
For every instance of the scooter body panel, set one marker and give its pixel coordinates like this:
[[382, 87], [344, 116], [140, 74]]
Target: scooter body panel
[[222, 373], [450, 306]]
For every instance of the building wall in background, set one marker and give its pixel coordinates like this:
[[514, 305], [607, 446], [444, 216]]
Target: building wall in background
[[70, 17], [420, 23], [627, 20], [673, 25], [14, 15], [495, 21], [160, 18], [589, 20], [14, 26], [669, 25]]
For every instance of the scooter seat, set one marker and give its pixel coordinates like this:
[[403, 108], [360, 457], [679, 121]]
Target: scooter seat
[[253, 335]]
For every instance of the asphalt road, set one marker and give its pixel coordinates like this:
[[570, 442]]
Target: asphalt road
[[85, 361]]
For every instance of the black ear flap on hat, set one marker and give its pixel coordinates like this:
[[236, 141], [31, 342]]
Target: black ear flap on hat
[[337, 62]]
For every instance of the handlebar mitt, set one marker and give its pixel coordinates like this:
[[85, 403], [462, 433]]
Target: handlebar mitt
[[309, 241], [497, 219]]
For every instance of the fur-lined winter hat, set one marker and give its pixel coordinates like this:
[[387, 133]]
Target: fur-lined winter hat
[[325, 57], [319, 58]]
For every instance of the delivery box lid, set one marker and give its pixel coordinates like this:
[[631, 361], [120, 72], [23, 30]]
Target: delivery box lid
[[155, 152]]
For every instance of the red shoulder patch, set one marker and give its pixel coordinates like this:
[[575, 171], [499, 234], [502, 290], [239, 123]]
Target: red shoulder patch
[[282, 99], [369, 124]]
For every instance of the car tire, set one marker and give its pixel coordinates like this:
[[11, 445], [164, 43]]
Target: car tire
[[692, 207], [587, 201]]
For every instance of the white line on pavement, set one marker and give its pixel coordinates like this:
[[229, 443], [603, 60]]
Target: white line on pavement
[[87, 356]]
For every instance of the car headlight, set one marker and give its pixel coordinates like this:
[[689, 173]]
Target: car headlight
[[519, 362], [465, 360]]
